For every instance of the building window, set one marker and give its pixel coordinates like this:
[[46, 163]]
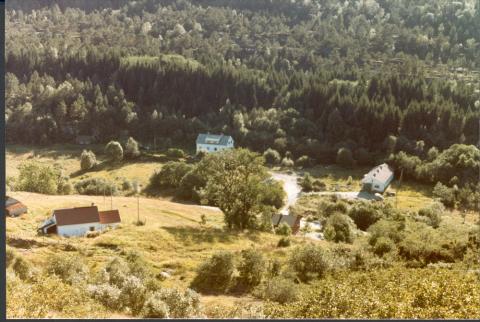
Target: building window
[[215, 149], [377, 186], [92, 228]]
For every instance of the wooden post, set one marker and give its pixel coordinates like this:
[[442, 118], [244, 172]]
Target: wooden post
[[398, 189]]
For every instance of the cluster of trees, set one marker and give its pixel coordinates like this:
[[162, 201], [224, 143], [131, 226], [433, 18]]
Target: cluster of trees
[[171, 69], [235, 180]]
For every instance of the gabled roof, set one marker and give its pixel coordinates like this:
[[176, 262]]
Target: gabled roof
[[109, 216], [10, 201], [381, 173], [213, 139], [74, 216]]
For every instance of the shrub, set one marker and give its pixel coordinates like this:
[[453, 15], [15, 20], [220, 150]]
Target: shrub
[[10, 256], [95, 186], [308, 262], [87, 160], [283, 229], [383, 245], [433, 213], [344, 157], [180, 304], [35, 177], [364, 215], [170, 175], [22, 268], [127, 185], [117, 271], [175, 153], [271, 156], [306, 182], [284, 242], [390, 229], [114, 151], [216, 273], [65, 188], [131, 149], [304, 161], [273, 194], [70, 269], [287, 162], [107, 294], [251, 268], [337, 229], [445, 194], [280, 290], [154, 307], [133, 294], [328, 208]]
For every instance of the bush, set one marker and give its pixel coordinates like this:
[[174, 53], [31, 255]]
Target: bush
[[175, 153], [154, 307], [280, 290], [364, 215], [131, 149], [308, 262], [304, 161], [107, 294], [433, 213], [251, 268], [127, 185], [283, 229], [69, 269], [114, 151], [287, 162], [65, 188], [390, 229], [337, 229], [328, 208], [10, 256], [306, 183], [271, 156], [383, 245], [133, 294], [170, 175], [22, 268], [215, 274], [273, 194], [172, 303], [117, 271], [35, 177], [87, 160], [284, 242], [445, 194], [95, 186], [345, 158]]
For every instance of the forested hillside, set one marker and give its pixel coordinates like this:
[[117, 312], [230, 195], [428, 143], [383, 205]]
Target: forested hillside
[[307, 77]]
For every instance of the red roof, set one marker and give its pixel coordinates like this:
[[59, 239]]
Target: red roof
[[16, 209], [109, 216], [79, 215]]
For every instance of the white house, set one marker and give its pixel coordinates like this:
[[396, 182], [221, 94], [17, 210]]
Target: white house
[[378, 179], [78, 221], [213, 142]]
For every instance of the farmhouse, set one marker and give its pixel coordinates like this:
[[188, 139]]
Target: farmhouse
[[291, 220], [80, 220], [14, 208], [378, 179], [213, 143]]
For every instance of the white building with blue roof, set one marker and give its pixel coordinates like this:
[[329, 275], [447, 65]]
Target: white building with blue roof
[[213, 142]]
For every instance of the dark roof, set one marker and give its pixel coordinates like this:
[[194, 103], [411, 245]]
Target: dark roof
[[213, 139], [16, 209], [79, 215], [109, 216]]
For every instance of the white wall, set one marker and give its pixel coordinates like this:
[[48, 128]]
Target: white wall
[[212, 147], [78, 229]]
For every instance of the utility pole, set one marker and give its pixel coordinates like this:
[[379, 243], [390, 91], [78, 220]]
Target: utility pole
[[398, 189], [104, 201], [111, 198]]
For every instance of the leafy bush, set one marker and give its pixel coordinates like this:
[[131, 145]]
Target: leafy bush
[[114, 151], [271, 156], [383, 245], [22, 268], [133, 294], [345, 157], [445, 194], [390, 293], [287, 162], [35, 177], [308, 262], [170, 175], [127, 185], [328, 208], [65, 188], [280, 290], [215, 274], [95, 186], [304, 161], [283, 242], [283, 229], [175, 153], [172, 303], [117, 271], [87, 160], [155, 307], [131, 148], [273, 194], [337, 229], [433, 213], [390, 229], [70, 269], [251, 268], [107, 294], [364, 215], [10, 256]]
